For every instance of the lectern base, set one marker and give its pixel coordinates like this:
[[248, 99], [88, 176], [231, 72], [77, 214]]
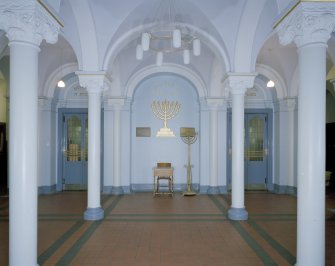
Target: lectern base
[[189, 193]]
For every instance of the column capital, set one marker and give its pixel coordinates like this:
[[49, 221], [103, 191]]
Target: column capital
[[28, 21], [287, 104], [93, 81], [238, 83], [116, 103], [307, 23], [215, 103]]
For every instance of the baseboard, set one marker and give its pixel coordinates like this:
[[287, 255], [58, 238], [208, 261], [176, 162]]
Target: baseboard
[[289, 190], [46, 190]]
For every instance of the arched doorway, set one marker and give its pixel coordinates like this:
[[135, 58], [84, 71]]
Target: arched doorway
[[147, 149]]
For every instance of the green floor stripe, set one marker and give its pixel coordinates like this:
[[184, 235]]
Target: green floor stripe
[[261, 253], [273, 214], [273, 243], [72, 252], [60, 214], [178, 220], [218, 204], [267, 260], [113, 205], [60, 241], [227, 199], [165, 214]]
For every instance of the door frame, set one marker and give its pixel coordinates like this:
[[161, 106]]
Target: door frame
[[269, 113], [60, 142]]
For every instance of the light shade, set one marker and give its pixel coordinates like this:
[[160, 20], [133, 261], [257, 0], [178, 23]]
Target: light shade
[[176, 38], [270, 84], [186, 57], [61, 84], [139, 52], [196, 47], [159, 58], [145, 40]]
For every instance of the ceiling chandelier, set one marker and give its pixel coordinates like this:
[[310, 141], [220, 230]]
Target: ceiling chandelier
[[168, 36]]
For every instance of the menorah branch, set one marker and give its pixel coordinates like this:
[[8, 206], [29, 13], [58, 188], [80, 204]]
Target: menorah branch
[[165, 110]]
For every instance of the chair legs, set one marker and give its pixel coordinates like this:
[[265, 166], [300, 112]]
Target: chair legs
[[157, 186]]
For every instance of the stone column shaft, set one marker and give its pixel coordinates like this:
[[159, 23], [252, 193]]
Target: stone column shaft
[[309, 26], [238, 83], [26, 25], [214, 105], [23, 154], [94, 82], [117, 104]]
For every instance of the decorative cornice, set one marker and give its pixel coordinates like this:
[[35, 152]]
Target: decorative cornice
[[94, 82], [308, 22], [215, 103], [27, 21], [288, 104], [116, 103], [239, 82], [44, 104]]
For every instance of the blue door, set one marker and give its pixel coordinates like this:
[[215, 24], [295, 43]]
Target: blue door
[[75, 134], [256, 151]]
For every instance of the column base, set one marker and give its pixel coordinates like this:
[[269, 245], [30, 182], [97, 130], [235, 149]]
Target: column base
[[213, 190], [94, 214], [237, 214]]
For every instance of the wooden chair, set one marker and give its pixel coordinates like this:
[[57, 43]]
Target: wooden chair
[[163, 171]]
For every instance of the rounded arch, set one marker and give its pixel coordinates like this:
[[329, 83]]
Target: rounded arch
[[168, 68], [272, 74], [117, 45], [268, 96], [57, 74]]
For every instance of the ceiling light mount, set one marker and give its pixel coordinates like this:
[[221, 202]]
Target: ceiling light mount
[[167, 37]]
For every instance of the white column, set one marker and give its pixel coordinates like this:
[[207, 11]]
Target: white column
[[238, 83], [25, 36], [291, 158], [309, 25], [214, 105], [94, 83], [23, 153], [117, 105]]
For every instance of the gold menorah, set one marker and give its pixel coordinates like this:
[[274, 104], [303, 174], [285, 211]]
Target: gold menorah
[[165, 110]]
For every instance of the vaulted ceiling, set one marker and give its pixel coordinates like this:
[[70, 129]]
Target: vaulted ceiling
[[236, 36]]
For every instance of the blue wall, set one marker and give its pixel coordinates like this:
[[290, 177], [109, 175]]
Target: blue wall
[[147, 151]]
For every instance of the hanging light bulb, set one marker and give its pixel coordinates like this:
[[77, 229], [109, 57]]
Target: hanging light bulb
[[61, 84], [270, 84]]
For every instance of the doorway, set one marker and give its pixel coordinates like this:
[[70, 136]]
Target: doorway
[[257, 149], [74, 152]]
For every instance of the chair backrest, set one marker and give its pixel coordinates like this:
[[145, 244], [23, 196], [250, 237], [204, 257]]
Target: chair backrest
[[163, 165]]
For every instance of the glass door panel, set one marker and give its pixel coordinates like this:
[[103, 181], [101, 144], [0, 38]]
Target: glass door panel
[[255, 151], [75, 155]]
